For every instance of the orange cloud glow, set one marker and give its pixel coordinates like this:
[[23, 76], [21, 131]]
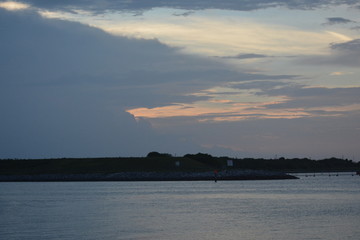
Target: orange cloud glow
[[216, 111]]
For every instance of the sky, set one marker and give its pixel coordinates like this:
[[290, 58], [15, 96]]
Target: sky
[[259, 78]]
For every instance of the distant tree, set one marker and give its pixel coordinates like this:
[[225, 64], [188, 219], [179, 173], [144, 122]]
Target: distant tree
[[206, 159], [157, 154], [199, 156]]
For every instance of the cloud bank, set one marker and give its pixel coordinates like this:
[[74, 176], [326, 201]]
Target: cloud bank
[[65, 87], [241, 5], [338, 20]]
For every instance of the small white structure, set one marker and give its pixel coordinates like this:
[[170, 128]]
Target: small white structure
[[230, 163], [177, 163]]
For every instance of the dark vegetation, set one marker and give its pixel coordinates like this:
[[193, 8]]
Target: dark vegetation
[[163, 162], [280, 164]]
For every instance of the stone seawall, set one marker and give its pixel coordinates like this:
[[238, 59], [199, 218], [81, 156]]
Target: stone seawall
[[152, 176]]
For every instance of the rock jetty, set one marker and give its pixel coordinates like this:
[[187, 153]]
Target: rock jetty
[[152, 176]]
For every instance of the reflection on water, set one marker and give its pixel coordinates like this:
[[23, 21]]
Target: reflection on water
[[309, 208]]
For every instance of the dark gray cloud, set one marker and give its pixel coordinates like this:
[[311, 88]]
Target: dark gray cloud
[[315, 97], [242, 5], [45, 52], [60, 53], [347, 53], [343, 54], [64, 89], [247, 56], [350, 46], [185, 14], [338, 20]]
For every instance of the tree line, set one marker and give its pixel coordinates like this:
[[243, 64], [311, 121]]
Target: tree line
[[278, 164]]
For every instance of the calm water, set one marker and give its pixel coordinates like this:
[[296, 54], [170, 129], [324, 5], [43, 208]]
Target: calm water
[[319, 207]]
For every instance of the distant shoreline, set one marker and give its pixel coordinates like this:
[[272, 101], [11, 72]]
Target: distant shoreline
[[164, 167]]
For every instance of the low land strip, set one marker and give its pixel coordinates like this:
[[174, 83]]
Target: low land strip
[[164, 167]]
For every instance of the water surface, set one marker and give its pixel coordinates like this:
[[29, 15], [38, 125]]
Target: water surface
[[320, 207]]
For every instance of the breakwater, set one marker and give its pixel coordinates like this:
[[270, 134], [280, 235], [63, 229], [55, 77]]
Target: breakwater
[[152, 176]]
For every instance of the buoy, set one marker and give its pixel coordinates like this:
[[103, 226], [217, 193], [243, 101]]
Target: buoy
[[215, 175]]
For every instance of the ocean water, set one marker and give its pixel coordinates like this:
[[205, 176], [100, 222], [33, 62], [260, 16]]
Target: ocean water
[[320, 207]]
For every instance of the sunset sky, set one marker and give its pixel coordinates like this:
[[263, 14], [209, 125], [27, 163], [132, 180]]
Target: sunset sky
[[238, 78]]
